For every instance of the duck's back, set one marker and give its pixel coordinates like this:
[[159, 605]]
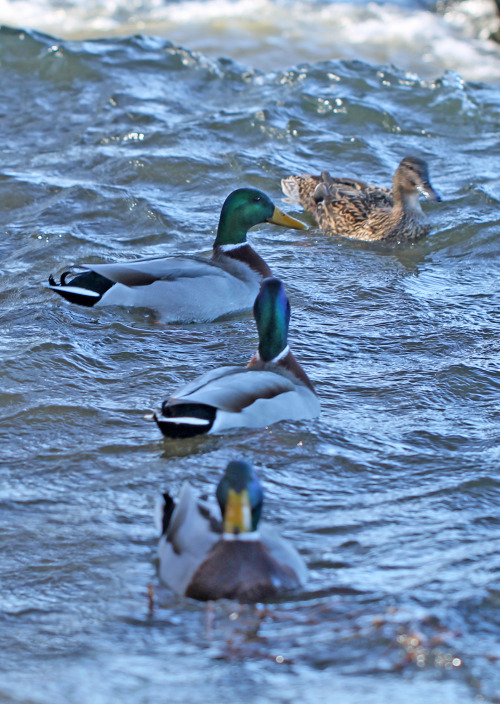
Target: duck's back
[[307, 190], [300, 190], [250, 398], [356, 213], [189, 289]]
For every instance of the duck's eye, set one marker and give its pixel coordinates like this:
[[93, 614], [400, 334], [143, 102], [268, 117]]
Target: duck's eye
[[257, 199]]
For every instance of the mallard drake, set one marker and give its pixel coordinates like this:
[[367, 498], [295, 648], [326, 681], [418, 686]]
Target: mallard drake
[[360, 211], [272, 387], [188, 288], [238, 558]]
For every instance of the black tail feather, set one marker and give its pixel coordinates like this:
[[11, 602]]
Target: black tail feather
[[168, 509], [202, 416], [86, 281]]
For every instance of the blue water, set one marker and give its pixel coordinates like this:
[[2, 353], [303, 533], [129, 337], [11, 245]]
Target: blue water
[[120, 147]]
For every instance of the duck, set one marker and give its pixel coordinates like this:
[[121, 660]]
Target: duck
[[272, 387], [187, 288], [360, 211], [238, 557]]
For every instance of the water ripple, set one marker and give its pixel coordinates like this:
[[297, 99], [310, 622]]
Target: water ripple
[[121, 148]]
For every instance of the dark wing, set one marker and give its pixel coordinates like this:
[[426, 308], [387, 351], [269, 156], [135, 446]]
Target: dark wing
[[146, 271]]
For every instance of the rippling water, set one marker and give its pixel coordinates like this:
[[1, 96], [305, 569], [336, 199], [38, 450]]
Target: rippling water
[[125, 147]]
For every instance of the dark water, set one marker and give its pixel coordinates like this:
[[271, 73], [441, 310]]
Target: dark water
[[127, 147]]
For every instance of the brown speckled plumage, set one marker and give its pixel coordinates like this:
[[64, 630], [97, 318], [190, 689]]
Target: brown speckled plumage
[[357, 210]]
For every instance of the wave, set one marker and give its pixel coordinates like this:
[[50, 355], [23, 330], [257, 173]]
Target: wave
[[270, 35]]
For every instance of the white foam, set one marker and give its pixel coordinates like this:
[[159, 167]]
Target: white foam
[[269, 36]]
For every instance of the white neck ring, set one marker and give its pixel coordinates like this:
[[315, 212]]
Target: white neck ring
[[230, 247], [253, 536]]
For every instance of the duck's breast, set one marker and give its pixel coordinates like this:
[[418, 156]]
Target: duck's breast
[[243, 570]]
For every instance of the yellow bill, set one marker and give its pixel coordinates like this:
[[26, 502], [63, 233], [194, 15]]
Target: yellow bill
[[238, 513], [281, 218]]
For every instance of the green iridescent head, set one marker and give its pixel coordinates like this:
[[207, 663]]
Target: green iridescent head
[[272, 315], [245, 208], [240, 496]]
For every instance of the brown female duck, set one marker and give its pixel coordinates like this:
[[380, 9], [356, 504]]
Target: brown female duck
[[355, 209]]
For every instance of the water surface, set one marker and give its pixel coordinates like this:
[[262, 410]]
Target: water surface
[[124, 147]]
